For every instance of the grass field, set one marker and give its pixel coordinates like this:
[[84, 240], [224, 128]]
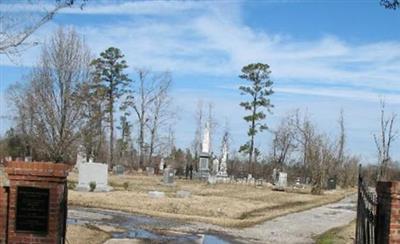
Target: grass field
[[229, 205]]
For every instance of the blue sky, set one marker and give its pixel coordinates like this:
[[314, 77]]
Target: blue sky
[[324, 56]]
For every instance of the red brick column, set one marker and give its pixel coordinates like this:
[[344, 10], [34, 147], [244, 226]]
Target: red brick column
[[3, 213], [49, 176], [388, 212]]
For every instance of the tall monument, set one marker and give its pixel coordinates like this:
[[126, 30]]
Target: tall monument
[[205, 154], [222, 172]]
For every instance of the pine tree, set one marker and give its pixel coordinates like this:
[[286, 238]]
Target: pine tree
[[259, 91], [109, 70]]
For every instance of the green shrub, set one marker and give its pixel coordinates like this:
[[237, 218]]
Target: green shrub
[[71, 185], [92, 186], [126, 185]]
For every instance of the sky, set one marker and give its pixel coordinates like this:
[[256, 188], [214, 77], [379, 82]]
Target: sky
[[324, 56]]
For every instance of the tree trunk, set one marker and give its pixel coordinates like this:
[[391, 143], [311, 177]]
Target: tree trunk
[[111, 128], [253, 125]]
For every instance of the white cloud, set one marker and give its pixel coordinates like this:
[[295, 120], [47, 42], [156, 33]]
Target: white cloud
[[368, 96], [199, 39], [106, 8], [203, 39]]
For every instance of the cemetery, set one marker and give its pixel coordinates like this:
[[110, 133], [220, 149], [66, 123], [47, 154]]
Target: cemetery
[[207, 122], [233, 204]]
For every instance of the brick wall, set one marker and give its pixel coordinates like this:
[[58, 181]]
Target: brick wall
[[40, 175], [388, 212]]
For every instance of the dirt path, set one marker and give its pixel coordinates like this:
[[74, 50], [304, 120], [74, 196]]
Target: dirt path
[[297, 227]]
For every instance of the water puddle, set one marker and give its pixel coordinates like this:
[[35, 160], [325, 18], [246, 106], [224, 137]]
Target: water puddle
[[127, 226]]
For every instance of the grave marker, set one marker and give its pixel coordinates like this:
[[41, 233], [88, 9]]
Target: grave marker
[[93, 172]]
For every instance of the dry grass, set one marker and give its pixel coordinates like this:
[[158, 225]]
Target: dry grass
[[341, 235], [85, 234], [229, 205]]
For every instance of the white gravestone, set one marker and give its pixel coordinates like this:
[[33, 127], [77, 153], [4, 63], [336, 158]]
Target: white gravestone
[[161, 168], [93, 172], [150, 171], [222, 172], [205, 146], [156, 194], [169, 176], [215, 166], [282, 180]]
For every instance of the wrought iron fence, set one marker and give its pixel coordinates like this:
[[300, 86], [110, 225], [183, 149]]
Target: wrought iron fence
[[366, 213]]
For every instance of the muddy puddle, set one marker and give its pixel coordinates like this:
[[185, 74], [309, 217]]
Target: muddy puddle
[[128, 226]]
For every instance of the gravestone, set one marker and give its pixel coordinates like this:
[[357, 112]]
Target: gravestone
[[205, 154], [150, 171], [183, 194], [93, 172], [156, 194], [212, 180], [331, 183], [203, 166], [168, 176], [282, 180], [28, 159], [215, 166], [119, 169], [162, 163], [222, 171], [33, 202]]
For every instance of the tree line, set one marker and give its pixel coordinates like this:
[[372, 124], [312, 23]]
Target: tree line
[[71, 99]]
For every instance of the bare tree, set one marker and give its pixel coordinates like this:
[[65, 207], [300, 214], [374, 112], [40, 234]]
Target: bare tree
[[199, 120], [283, 143], [384, 141], [159, 112], [390, 4], [52, 103], [320, 154], [212, 123], [150, 106], [17, 27], [341, 140], [305, 132]]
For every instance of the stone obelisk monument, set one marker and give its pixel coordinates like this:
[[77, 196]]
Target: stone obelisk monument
[[205, 154]]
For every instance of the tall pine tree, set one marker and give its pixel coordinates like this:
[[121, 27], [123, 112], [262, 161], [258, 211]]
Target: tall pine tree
[[259, 91], [109, 71]]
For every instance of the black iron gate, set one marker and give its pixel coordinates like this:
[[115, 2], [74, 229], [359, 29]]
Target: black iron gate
[[366, 213]]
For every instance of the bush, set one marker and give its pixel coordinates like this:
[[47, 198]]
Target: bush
[[71, 185], [126, 185], [92, 186]]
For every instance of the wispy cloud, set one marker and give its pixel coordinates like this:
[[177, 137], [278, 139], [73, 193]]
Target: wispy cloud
[[213, 40], [369, 96], [105, 8]]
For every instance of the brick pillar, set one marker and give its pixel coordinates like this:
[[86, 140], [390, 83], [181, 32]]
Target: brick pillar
[[3, 213], [388, 212], [36, 184]]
